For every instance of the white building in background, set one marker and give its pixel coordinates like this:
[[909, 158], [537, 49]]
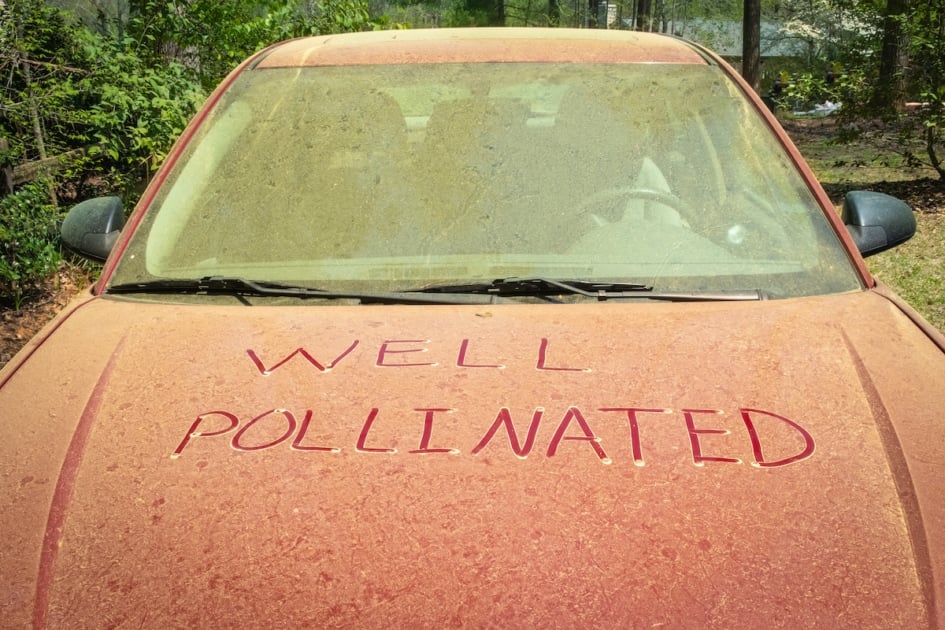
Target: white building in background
[[725, 36], [611, 14]]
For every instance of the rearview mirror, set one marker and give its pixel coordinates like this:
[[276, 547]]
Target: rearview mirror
[[877, 221], [92, 227]]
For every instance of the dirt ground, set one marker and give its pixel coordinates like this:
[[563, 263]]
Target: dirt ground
[[18, 327], [924, 194]]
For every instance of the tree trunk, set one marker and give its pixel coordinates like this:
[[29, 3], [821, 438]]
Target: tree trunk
[[643, 15], [37, 123], [931, 142], [554, 12], [751, 44], [889, 86]]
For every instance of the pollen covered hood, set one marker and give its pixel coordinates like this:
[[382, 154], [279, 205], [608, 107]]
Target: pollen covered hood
[[624, 465]]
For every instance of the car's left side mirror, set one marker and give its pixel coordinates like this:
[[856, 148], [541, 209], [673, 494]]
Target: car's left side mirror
[[92, 227], [877, 221]]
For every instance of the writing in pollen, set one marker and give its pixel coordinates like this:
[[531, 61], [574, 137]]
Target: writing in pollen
[[412, 353], [708, 435], [573, 429]]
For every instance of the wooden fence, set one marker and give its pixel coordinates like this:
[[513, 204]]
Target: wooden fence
[[29, 171]]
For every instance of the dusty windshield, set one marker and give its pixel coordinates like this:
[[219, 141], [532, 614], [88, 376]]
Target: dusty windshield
[[399, 177]]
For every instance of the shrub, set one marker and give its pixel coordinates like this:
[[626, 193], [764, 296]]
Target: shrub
[[29, 243], [132, 112]]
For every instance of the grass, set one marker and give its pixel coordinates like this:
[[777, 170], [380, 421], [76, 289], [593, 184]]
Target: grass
[[877, 161], [916, 269]]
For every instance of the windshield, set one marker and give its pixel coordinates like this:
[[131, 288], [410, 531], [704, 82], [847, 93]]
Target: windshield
[[393, 178]]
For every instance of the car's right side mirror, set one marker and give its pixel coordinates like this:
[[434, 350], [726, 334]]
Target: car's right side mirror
[[877, 221]]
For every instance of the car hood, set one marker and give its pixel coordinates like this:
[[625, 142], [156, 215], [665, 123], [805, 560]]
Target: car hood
[[628, 465]]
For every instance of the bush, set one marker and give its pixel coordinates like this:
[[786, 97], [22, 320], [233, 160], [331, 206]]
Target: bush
[[805, 90], [124, 96], [132, 112], [29, 242]]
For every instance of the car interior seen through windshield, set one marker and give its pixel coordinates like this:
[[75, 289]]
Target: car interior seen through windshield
[[395, 178]]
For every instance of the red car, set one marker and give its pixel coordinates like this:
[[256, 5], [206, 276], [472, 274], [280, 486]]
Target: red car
[[491, 327]]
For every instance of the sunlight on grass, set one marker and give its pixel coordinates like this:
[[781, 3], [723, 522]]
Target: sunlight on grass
[[916, 269]]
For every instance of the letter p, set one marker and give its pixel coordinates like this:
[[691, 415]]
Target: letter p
[[196, 429]]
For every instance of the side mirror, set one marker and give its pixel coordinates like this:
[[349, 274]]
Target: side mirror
[[877, 221], [92, 227]]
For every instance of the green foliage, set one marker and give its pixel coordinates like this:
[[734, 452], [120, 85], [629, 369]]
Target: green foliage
[[207, 36], [803, 91], [133, 111], [123, 94], [338, 16], [69, 88], [920, 77], [29, 249], [920, 124], [126, 99], [210, 37], [36, 48], [926, 32]]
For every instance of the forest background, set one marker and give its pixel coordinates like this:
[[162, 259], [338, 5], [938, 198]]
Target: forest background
[[93, 94]]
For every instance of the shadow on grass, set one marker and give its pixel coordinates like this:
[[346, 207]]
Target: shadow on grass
[[924, 195]]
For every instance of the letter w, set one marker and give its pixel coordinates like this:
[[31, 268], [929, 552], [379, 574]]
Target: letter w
[[308, 357]]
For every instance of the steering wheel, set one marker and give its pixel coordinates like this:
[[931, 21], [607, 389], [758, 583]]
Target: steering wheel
[[616, 193]]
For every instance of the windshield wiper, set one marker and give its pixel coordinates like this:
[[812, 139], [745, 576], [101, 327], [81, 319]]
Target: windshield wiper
[[476, 293], [210, 285], [220, 285], [543, 287], [749, 295]]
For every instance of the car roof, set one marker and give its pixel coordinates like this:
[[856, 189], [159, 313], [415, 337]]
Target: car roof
[[482, 45]]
